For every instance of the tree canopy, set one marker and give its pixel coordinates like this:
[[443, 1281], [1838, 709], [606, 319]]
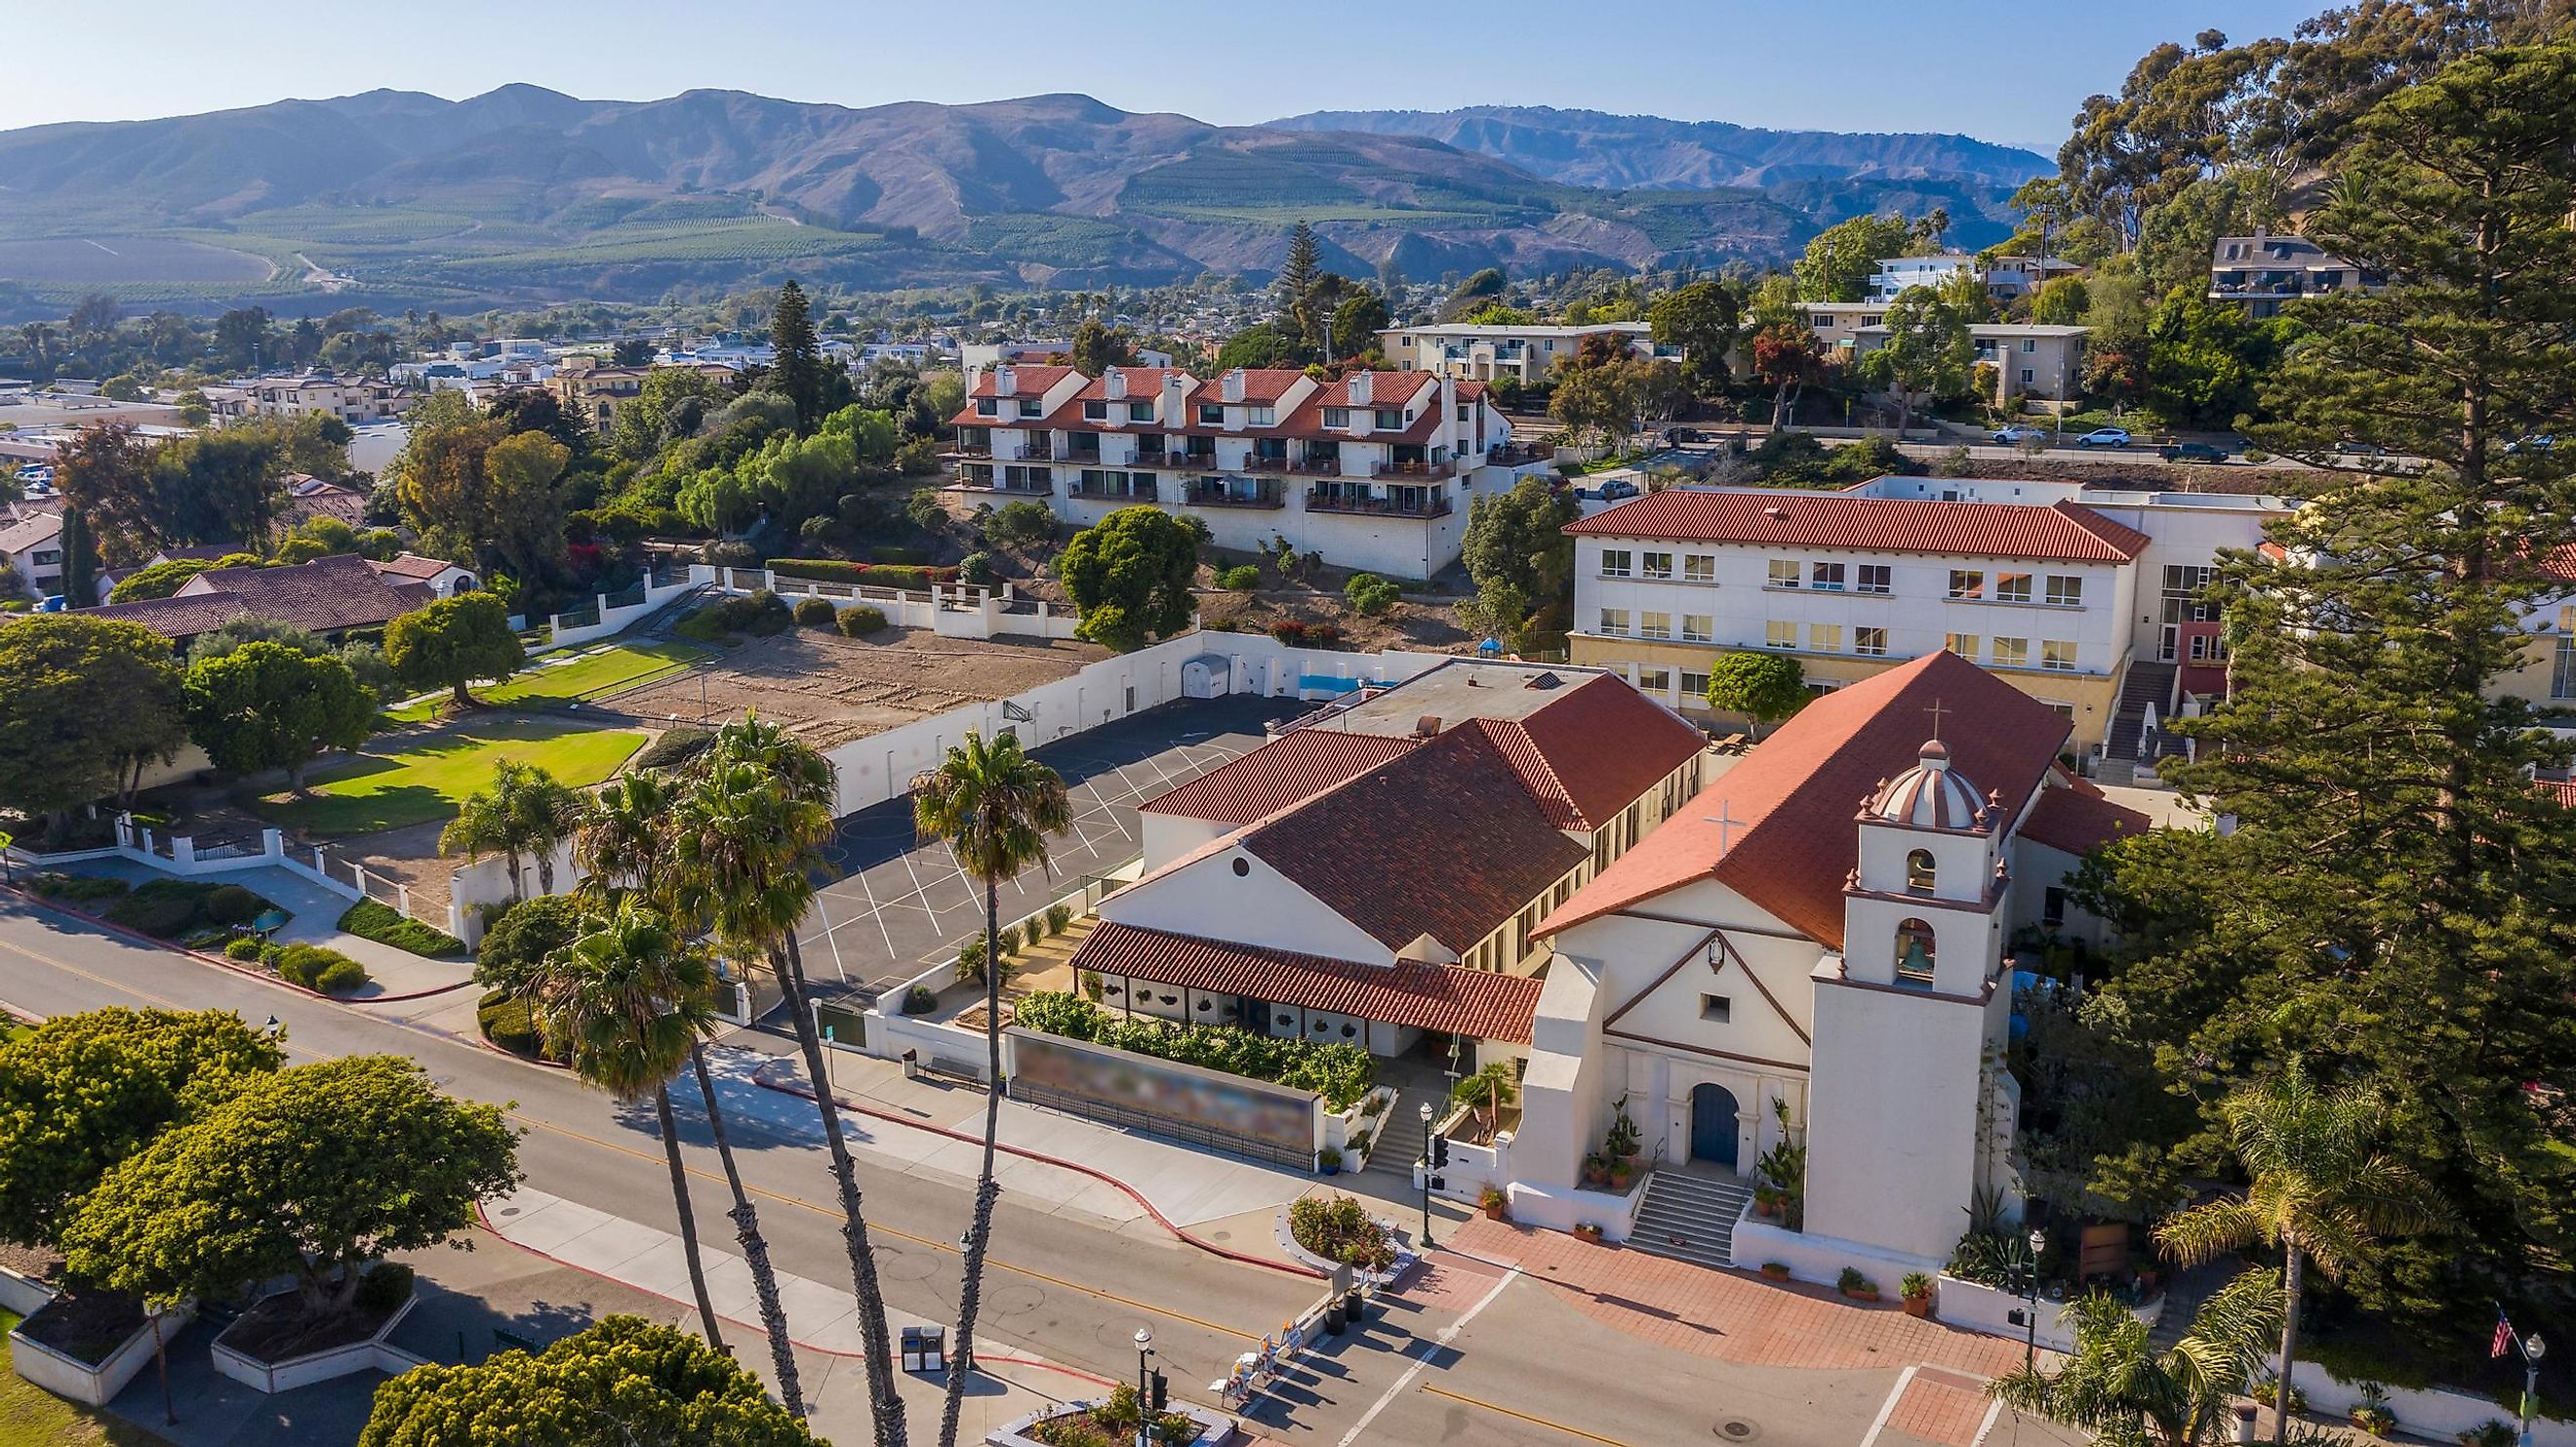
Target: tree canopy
[[273, 706], [1521, 560], [1701, 320], [619, 1383], [1838, 262], [454, 642], [1764, 687], [1130, 575], [90, 702]]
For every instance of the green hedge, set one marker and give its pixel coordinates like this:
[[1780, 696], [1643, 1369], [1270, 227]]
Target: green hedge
[[317, 968], [78, 888], [369, 920], [763, 615], [877, 575], [176, 908], [677, 745], [814, 612], [859, 620], [510, 1022], [1339, 1073]]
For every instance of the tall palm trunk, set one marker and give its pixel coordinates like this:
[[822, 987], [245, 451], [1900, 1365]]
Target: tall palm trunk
[[885, 1408], [688, 1219], [970, 1295], [2289, 1343], [755, 1249]]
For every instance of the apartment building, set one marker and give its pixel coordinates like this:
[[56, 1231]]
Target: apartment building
[[2030, 359], [594, 390], [354, 400], [2010, 278], [1893, 274], [2057, 589], [32, 547], [2261, 272], [1373, 471], [1483, 353]]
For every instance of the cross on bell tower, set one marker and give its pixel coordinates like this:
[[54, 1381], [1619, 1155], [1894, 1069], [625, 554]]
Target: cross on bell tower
[[1936, 710]]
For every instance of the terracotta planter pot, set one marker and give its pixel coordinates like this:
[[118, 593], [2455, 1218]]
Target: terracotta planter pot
[[1621, 1177], [1588, 1233], [1767, 1210], [1775, 1273], [1917, 1305], [1494, 1212], [1862, 1295]]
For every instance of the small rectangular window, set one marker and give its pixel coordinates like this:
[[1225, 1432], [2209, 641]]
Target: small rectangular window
[[1616, 562], [1211, 414], [2065, 590], [1658, 566], [1655, 680], [1962, 644], [1698, 627], [1717, 1008], [1781, 573], [1877, 578], [1095, 411], [1140, 411], [1264, 416], [1777, 634], [2012, 587], [1826, 577], [2012, 653], [1967, 583], [1699, 568], [988, 406], [1032, 407], [2057, 657], [2052, 906], [1389, 419], [1337, 418], [1870, 642], [1825, 637], [1694, 688], [1614, 621], [2028, 346], [1655, 625]]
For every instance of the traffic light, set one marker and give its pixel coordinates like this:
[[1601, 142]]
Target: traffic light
[[1158, 1396], [1439, 1152]]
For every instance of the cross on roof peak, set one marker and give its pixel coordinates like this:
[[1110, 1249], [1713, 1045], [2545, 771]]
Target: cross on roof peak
[[1725, 821]]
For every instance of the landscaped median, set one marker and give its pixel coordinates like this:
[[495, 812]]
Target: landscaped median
[[1341, 1074]]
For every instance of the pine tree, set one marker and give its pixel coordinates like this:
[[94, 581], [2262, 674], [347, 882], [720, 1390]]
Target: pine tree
[[798, 372], [1300, 277]]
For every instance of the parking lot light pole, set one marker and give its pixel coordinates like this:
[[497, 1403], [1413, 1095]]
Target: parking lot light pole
[[1144, 1413], [1426, 1178]]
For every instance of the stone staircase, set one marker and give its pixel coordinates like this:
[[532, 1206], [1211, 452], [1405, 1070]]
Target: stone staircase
[[2146, 683], [1399, 1142], [1690, 1217]]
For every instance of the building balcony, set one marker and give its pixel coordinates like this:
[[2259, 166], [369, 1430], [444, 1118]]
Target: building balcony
[[1317, 464], [1034, 452], [1255, 462], [1113, 492], [1266, 495], [1318, 500], [969, 449], [1428, 471], [1190, 461], [1513, 454]]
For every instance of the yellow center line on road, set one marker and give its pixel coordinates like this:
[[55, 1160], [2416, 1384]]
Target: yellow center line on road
[[657, 1159], [1524, 1417]]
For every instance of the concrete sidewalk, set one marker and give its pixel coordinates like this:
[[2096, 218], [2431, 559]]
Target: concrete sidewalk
[[315, 919]]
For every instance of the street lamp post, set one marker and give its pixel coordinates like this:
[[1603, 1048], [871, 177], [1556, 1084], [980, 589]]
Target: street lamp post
[[1428, 1180], [1144, 1414], [2030, 1342], [2532, 1347]]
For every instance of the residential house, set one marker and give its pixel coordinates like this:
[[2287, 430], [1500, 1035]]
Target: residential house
[[977, 358], [1372, 471], [2029, 359], [309, 497], [353, 400], [1823, 926], [2062, 591], [329, 596], [1374, 874], [1893, 274], [32, 548], [594, 390], [2262, 272], [1527, 352]]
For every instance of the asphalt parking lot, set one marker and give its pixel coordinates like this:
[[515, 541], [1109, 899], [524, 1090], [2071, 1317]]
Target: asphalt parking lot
[[902, 904]]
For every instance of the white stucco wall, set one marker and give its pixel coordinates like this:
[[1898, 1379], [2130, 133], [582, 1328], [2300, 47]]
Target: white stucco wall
[[1892, 1134]]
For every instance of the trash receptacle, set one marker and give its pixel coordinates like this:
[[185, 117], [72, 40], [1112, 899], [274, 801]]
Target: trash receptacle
[[925, 1348], [1354, 1307], [1333, 1318], [2244, 1424]]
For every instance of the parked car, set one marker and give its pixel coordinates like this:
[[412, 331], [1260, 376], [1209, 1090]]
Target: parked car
[[2355, 447], [2192, 452], [2104, 437], [1676, 436], [2015, 436], [1611, 491]]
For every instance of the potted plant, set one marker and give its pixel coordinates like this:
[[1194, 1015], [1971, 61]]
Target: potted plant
[[1915, 1291], [2493, 1432], [2266, 1390], [1775, 1270], [1494, 1202], [1766, 1201], [1596, 1172], [2371, 1414], [1856, 1286], [1332, 1159], [1588, 1231], [1624, 1138], [1622, 1171]]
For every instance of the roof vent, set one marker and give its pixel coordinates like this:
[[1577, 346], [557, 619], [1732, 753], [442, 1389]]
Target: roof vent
[[1545, 680], [1426, 726]]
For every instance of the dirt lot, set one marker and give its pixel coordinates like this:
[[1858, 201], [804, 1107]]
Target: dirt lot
[[830, 689]]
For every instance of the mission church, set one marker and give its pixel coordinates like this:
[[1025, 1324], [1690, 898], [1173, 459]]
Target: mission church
[[1824, 926]]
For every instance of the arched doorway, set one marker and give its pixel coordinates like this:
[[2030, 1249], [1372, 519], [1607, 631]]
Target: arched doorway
[[1713, 1125]]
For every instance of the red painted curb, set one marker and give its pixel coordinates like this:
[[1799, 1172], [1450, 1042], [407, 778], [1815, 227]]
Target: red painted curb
[[1024, 1153], [224, 961], [755, 1327]]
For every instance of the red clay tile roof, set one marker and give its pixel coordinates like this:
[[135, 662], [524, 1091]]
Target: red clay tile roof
[[1294, 766], [413, 565], [1260, 385], [1480, 1004], [1027, 379], [181, 616], [323, 596], [1442, 840], [2564, 793], [1594, 749], [2061, 532], [1792, 802], [2080, 822], [1386, 389]]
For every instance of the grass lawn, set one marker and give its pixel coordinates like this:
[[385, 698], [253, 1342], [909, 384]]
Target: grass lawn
[[593, 673], [37, 1418], [426, 777]]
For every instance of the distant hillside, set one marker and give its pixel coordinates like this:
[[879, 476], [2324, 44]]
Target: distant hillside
[[526, 195]]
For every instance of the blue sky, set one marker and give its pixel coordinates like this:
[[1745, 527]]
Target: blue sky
[[2005, 72]]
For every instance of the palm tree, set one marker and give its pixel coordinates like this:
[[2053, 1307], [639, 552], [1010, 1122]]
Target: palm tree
[[746, 837], [525, 811], [2321, 1192], [2119, 1388], [624, 1000], [625, 845], [1493, 1087], [995, 806]]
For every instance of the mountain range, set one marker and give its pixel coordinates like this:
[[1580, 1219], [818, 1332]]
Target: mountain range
[[527, 195]]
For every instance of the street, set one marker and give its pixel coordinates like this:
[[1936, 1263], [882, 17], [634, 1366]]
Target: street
[[1481, 1350]]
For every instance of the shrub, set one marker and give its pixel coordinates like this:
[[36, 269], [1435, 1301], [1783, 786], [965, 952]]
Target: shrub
[[386, 1286], [1241, 580], [1338, 1072], [162, 908], [1297, 633], [1021, 524], [1035, 930], [231, 904], [245, 949], [815, 613], [1370, 595], [343, 976], [509, 1022], [977, 568], [898, 557], [517, 940], [369, 920], [1338, 1228], [1852, 1283], [920, 1000], [762, 614], [677, 745], [859, 620], [78, 888], [1094, 987], [970, 959], [910, 576], [270, 953], [1058, 918], [318, 968]]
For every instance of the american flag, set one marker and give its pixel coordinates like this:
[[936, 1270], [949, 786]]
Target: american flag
[[2503, 1336]]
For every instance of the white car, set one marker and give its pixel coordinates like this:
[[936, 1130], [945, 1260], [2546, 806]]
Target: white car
[[2015, 436], [2104, 437]]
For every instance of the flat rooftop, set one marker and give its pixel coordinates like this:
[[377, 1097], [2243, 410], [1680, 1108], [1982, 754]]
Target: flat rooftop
[[1456, 691]]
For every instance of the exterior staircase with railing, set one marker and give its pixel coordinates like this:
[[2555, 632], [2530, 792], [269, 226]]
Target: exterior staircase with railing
[[1400, 1140], [2133, 738], [1687, 1216]]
